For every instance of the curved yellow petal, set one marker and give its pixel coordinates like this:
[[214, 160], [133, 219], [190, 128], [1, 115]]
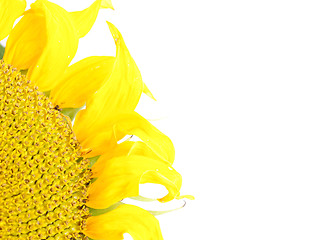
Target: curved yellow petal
[[60, 48], [49, 50], [84, 20], [121, 176], [81, 80], [27, 40], [140, 224], [10, 10], [120, 93], [102, 138], [123, 149]]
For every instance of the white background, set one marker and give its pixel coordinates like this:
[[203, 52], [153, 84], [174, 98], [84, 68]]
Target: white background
[[246, 91]]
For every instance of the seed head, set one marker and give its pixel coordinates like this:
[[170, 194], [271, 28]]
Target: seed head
[[43, 178]]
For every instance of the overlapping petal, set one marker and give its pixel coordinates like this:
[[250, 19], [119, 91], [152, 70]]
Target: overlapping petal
[[120, 93], [27, 40], [139, 223], [120, 177], [10, 10], [105, 137], [124, 149], [48, 52], [100, 125], [81, 80], [46, 40]]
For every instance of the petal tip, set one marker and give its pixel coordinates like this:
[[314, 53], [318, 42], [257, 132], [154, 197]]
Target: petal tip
[[107, 4]]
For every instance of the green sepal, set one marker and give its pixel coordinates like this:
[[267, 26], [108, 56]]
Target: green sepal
[[2, 51], [97, 212], [70, 112], [93, 160], [24, 72]]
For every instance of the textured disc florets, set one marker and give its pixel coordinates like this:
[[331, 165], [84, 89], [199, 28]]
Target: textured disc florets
[[43, 178]]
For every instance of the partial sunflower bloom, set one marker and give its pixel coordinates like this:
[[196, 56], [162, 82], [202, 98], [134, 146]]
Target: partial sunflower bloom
[[64, 181]]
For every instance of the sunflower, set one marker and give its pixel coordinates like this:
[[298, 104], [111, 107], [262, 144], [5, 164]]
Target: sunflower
[[66, 161]]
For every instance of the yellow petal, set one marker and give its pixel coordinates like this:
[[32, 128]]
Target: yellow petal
[[126, 148], [84, 20], [49, 50], [120, 93], [102, 138], [106, 4], [59, 50], [121, 176], [10, 10], [81, 80], [27, 40], [140, 224]]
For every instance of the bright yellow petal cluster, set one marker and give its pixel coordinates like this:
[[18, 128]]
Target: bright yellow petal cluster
[[108, 89], [46, 39]]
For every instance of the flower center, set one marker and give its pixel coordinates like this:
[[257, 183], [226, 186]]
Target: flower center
[[43, 178]]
